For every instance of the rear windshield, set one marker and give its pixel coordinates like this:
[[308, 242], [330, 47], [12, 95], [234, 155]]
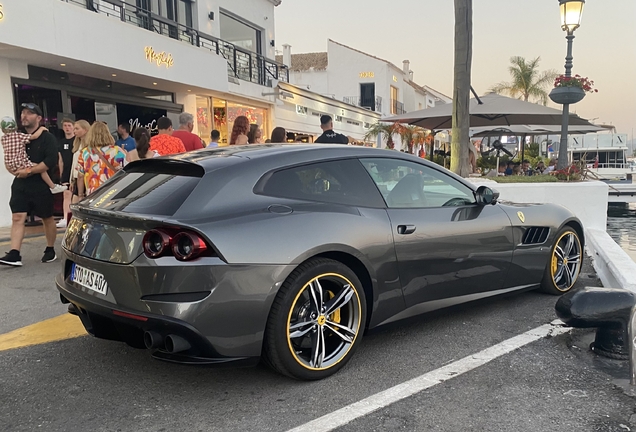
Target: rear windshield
[[148, 193]]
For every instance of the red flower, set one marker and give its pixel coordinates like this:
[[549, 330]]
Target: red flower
[[583, 83]]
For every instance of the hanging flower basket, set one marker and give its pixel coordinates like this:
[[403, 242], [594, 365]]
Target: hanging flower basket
[[571, 89], [567, 95]]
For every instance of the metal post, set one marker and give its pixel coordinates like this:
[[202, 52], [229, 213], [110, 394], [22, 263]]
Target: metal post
[[631, 334], [562, 161]]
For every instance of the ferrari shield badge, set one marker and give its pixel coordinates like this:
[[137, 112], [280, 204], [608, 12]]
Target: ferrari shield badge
[[522, 218]]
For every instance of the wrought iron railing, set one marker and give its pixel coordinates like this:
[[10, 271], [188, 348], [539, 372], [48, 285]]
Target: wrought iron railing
[[397, 107], [241, 64], [374, 104]]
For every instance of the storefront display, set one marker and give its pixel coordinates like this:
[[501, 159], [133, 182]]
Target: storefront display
[[219, 114]]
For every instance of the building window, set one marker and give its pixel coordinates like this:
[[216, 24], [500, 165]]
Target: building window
[[394, 100], [240, 33], [179, 11]]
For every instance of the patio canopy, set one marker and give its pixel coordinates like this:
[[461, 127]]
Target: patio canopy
[[494, 111]]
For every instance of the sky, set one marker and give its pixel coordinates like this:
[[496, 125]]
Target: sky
[[422, 31]]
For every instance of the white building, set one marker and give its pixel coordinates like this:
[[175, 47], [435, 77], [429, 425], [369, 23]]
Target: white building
[[137, 60], [361, 79], [298, 110]]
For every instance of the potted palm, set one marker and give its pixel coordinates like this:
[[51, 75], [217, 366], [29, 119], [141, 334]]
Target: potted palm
[[571, 89]]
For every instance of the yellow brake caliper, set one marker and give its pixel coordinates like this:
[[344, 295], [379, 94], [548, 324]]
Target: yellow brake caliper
[[334, 317]]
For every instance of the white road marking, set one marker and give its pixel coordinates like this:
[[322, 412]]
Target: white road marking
[[387, 397]]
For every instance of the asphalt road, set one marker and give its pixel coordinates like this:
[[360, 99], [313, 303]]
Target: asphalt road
[[85, 384]]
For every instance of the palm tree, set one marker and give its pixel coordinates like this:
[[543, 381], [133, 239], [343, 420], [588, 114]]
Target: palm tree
[[411, 135], [461, 87], [527, 82], [386, 130]]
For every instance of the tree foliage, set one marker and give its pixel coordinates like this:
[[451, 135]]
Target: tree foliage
[[527, 81]]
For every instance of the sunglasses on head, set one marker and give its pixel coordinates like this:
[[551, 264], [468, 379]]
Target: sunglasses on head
[[28, 106]]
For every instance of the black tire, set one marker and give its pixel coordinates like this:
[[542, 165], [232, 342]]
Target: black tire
[[559, 278], [324, 342]]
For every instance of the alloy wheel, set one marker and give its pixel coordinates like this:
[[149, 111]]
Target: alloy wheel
[[324, 321], [566, 261]]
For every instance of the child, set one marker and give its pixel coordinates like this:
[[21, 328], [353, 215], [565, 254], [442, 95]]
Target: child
[[15, 156]]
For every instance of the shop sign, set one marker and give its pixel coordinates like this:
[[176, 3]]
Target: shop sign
[[367, 75], [161, 58], [135, 124], [301, 110], [1, 12]]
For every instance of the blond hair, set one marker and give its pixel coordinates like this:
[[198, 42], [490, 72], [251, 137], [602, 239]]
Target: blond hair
[[79, 143], [99, 136]]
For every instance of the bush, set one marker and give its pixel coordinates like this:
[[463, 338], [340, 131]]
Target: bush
[[526, 179]]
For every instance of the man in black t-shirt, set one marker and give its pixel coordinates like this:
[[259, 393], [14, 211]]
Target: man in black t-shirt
[[328, 135], [28, 190], [65, 147]]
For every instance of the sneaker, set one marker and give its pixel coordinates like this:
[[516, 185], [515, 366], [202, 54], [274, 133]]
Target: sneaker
[[12, 258], [49, 255], [61, 223], [58, 188]]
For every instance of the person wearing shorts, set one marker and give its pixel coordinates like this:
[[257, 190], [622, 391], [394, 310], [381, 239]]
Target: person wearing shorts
[[29, 193]]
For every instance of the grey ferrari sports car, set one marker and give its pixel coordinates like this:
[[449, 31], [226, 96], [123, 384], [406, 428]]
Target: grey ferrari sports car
[[289, 252]]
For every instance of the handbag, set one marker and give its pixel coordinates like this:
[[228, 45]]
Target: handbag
[[108, 164]]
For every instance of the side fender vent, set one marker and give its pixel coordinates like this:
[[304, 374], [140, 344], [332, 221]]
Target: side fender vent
[[535, 235]]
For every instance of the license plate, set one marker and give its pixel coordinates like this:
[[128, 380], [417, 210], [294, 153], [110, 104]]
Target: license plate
[[90, 279]]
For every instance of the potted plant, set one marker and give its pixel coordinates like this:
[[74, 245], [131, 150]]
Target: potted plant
[[571, 89]]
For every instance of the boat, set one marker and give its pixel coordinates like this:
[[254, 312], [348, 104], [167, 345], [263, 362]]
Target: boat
[[605, 154]]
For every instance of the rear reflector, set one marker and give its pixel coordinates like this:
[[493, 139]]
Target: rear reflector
[[128, 315]]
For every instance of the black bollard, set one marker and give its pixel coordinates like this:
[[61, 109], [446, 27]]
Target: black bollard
[[610, 311]]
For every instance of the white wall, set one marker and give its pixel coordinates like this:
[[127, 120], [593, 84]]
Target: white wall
[[285, 114], [587, 200], [315, 81], [345, 66], [76, 34], [7, 108]]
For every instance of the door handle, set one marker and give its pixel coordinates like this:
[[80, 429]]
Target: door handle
[[406, 229]]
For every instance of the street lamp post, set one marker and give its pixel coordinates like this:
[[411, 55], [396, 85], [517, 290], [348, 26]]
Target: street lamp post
[[571, 12]]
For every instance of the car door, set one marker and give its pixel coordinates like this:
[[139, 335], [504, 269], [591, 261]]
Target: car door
[[446, 244]]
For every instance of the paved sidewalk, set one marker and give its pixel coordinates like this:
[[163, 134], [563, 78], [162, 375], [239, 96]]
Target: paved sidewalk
[[30, 231]]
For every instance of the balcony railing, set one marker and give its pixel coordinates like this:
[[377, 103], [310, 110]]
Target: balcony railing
[[241, 64], [374, 104], [397, 107]]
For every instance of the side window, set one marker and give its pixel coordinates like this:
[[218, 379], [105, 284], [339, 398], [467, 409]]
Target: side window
[[338, 182], [405, 184]]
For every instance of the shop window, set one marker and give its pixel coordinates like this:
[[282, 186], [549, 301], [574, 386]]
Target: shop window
[[254, 115], [240, 33]]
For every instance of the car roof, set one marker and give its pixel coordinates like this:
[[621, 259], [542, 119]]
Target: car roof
[[206, 157]]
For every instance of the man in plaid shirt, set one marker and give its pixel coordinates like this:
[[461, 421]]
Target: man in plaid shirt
[[15, 156], [29, 192]]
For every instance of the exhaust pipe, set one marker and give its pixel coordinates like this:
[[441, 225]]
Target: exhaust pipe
[[153, 340], [175, 344]]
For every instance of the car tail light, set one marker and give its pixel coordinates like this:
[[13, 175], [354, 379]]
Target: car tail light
[[156, 243], [186, 246], [183, 245]]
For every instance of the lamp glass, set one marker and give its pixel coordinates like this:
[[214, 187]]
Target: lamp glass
[[571, 12]]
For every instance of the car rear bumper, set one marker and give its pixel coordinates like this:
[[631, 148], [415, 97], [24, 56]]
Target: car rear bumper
[[225, 319], [120, 324]]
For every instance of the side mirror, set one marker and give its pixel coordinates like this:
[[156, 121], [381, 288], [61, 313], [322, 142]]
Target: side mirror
[[484, 196]]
